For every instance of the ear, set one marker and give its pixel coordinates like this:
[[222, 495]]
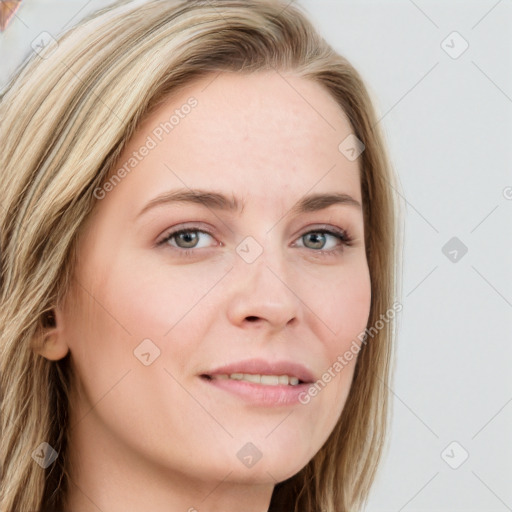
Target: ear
[[51, 343]]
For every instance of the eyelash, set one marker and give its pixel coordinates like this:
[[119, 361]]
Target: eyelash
[[342, 235]]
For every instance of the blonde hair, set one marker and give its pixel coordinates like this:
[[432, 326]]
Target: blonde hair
[[66, 116]]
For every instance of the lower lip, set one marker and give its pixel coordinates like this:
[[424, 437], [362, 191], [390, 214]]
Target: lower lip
[[261, 394]]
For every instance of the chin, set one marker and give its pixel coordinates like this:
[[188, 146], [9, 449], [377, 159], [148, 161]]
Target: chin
[[273, 470]]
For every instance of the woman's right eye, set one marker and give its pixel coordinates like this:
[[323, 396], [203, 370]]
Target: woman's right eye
[[184, 239]]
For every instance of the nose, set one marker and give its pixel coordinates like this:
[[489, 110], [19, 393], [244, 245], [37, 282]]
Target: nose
[[263, 293]]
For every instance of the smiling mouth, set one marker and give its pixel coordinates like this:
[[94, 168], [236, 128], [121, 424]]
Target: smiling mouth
[[265, 380]]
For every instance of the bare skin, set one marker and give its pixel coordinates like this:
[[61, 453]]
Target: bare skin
[[160, 436]]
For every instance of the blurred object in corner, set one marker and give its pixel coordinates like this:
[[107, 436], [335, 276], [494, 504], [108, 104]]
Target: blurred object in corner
[[8, 9]]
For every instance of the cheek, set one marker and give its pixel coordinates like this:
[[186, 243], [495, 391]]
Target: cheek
[[100, 342], [340, 308], [137, 301], [159, 297], [134, 310], [342, 304], [346, 309]]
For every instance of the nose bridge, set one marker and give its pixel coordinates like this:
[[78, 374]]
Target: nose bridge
[[263, 275], [263, 254]]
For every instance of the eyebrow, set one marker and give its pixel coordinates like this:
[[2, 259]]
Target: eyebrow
[[219, 201]]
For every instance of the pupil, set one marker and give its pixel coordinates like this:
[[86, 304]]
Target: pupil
[[188, 238], [319, 241]]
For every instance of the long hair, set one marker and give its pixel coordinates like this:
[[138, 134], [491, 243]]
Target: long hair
[[66, 115]]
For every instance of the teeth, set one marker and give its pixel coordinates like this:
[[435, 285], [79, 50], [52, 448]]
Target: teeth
[[271, 380], [267, 380], [252, 378], [283, 379]]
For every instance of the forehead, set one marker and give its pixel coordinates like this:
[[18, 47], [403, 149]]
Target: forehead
[[260, 107], [266, 135]]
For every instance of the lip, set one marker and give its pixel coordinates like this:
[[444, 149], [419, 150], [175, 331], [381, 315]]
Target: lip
[[261, 394]]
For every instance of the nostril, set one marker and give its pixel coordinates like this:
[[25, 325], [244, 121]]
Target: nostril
[[252, 318]]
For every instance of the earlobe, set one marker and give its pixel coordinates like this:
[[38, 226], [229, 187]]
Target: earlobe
[[51, 344]]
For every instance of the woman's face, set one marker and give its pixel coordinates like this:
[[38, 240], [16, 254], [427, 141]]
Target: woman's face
[[153, 318]]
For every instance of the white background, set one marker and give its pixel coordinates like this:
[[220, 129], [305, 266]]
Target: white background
[[448, 124]]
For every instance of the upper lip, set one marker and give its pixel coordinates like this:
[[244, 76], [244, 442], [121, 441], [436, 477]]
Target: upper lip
[[263, 367]]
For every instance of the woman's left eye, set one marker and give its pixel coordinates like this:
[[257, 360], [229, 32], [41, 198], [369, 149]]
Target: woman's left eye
[[318, 236], [186, 239]]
